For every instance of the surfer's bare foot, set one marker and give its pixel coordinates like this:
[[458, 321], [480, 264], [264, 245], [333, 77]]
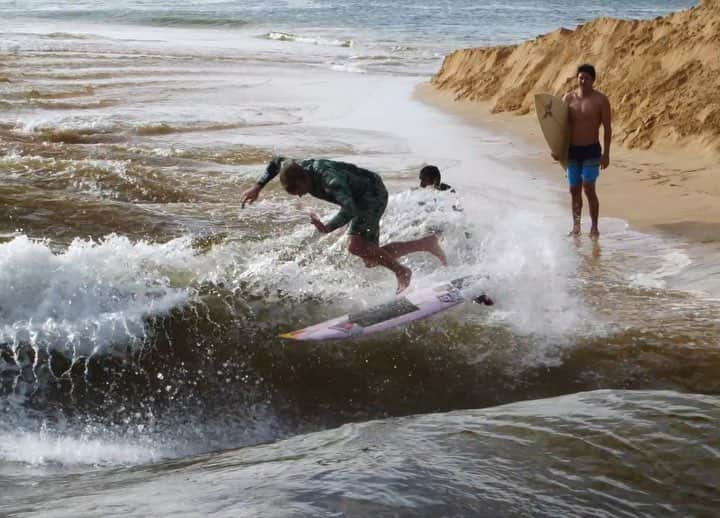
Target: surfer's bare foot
[[403, 278], [436, 250], [594, 233]]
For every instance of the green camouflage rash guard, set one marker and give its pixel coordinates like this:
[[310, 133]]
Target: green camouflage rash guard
[[360, 193]]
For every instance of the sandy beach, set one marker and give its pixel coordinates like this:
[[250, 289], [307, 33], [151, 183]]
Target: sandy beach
[[665, 160]]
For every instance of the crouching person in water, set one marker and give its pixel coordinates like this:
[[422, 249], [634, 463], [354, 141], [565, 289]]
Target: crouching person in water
[[362, 197], [430, 177]]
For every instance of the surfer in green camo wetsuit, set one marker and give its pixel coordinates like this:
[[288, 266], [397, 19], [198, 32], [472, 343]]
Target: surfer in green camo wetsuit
[[362, 197]]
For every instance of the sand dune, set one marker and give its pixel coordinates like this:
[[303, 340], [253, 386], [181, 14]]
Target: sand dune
[[662, 76]]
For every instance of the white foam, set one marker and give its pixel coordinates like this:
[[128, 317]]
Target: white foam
[[46, 448], [91, 295], [671, 264], [96, 123], [9, 46], [533, 270], [332, 42], [347, 67]]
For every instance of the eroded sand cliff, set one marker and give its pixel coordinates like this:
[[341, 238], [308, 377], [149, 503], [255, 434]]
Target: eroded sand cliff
[[662, 76]]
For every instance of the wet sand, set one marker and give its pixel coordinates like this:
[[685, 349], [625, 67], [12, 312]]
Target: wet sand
[[674, 191]]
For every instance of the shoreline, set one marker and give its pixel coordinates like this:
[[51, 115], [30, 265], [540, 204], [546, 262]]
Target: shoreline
[[672, 192]]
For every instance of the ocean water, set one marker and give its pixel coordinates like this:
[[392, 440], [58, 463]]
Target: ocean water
[[140, 369]]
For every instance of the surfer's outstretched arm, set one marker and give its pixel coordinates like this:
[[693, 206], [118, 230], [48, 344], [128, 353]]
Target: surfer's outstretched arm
[[271, 171]]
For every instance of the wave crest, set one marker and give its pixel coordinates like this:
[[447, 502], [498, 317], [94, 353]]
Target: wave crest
[[330, 42]]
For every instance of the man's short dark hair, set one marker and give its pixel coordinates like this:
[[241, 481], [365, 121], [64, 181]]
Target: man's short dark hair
[[430, 173], [588, 69]]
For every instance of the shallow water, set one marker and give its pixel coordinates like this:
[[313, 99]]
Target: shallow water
[[604, 453], [140, 305]]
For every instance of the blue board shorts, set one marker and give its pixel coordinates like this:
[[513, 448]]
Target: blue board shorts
[[583, 164]]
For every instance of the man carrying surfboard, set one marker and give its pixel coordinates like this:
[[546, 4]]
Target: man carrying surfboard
[[587, 110], [362, 197]]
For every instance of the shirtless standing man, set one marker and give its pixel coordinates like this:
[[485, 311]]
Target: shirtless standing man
[[588, 109]]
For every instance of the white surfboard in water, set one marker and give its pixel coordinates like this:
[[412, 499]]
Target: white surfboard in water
[[414, 305]]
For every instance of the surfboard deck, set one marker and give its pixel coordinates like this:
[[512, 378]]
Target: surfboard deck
[[416, 304], [552, 114]]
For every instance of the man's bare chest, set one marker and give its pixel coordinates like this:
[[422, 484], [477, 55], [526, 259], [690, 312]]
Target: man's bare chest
[[584, 109]]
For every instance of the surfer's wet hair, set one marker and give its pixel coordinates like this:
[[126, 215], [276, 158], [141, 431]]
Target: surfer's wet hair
[[292, 176], [588, 69]]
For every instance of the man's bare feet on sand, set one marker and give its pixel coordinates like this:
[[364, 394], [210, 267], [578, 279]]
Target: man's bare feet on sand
[[436, 250], [576, 227], [575, 230], [403, 279]]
